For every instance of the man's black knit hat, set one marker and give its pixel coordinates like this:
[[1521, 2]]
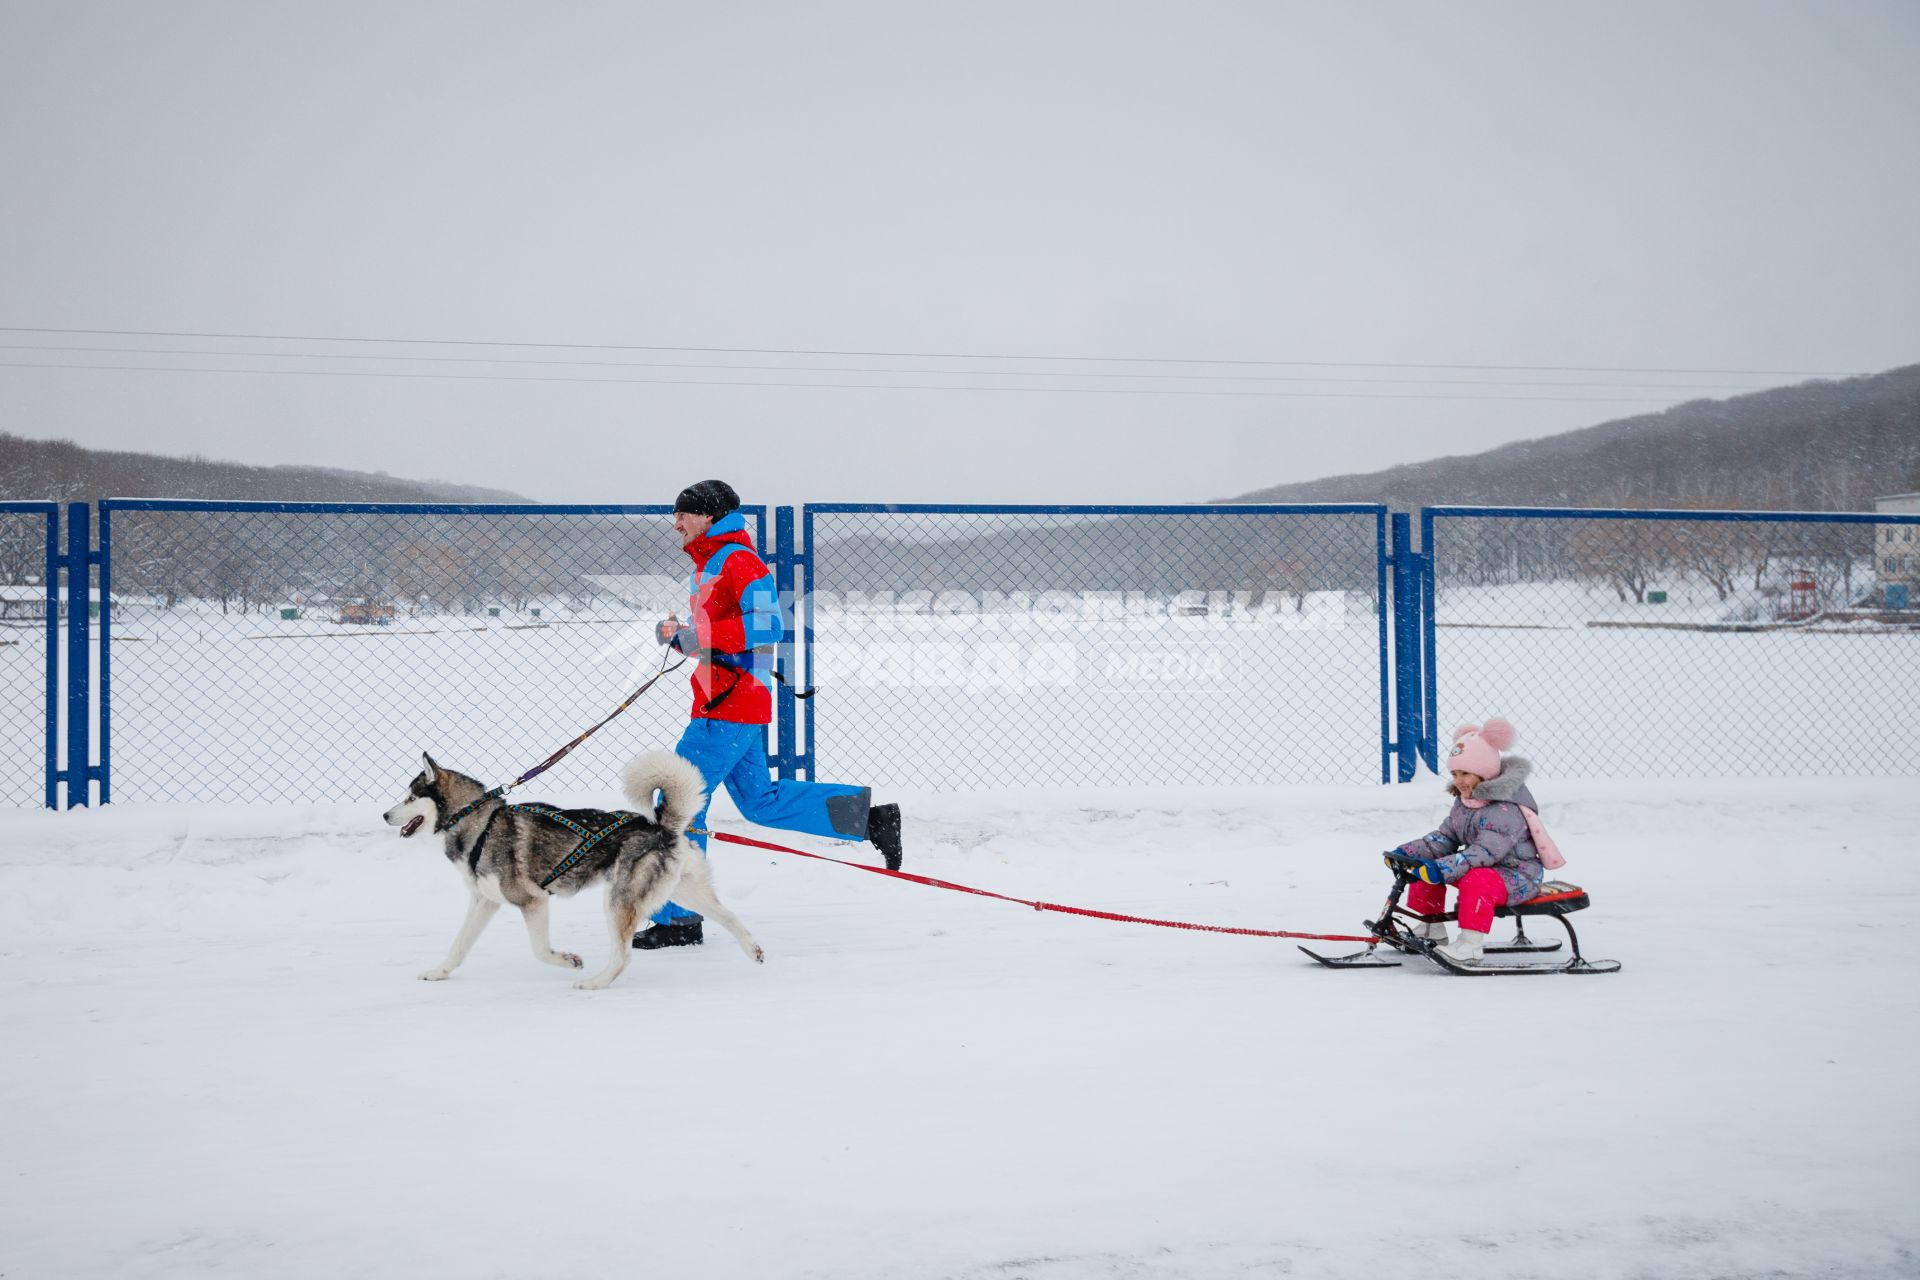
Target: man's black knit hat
[[710, 498]]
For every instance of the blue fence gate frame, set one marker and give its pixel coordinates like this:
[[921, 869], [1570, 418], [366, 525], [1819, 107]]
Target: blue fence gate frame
[[784, 558], [38, 548], [219, 528], [82, 770], [1355, 548], [1686, 617], [1411, 736]]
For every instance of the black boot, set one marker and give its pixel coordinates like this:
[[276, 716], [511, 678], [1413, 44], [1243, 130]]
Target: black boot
[[684, 932], [883, 829]]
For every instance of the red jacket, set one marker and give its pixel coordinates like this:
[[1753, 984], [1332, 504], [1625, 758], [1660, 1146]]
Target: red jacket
[[735, 609]]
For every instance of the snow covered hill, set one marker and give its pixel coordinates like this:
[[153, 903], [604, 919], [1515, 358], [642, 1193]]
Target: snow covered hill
[[1825, 445]]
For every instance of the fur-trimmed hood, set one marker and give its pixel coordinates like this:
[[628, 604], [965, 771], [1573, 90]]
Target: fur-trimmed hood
[[1509, 784]]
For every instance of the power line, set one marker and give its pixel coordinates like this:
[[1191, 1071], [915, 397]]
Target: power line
[[788, 368], [842, 386], [929, 355]]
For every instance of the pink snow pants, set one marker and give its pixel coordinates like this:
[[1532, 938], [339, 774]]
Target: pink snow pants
[[1481, 890]]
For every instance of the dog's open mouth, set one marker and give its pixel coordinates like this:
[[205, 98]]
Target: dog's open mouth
[[413, 825]]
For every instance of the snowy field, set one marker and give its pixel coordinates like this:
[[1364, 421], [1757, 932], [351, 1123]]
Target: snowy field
[[220, 1062]]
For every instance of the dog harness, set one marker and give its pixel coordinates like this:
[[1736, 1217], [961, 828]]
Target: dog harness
[[592, 826]]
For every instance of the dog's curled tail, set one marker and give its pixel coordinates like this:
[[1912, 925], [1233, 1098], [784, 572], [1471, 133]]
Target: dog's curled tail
[[675, 778]]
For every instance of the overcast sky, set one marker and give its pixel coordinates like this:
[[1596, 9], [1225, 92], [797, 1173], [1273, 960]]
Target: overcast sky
[[1662, 186]]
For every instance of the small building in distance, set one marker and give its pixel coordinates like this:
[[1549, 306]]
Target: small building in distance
[[23, 604], [1896, 550]]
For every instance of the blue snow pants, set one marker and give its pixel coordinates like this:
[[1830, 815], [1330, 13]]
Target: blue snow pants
[[736, 754]]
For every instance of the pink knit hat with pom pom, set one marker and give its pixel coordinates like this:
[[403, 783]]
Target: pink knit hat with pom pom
[[1477, 747]]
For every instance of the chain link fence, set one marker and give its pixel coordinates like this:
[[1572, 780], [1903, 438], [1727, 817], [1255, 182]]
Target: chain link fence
[[31, 606], [288, 652], [962, 647], [1679, 643], [309, 652]]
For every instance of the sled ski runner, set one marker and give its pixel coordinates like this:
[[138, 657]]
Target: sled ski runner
[[1557, 899], [1358, 960]]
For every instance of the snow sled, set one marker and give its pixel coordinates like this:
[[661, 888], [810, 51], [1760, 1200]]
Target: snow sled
[[1556, 899]]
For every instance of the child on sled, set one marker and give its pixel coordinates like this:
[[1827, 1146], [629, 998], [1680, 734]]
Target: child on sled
[[1491, 847]]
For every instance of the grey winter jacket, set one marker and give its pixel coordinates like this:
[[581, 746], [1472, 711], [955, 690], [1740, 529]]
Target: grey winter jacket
[[1494, 835]]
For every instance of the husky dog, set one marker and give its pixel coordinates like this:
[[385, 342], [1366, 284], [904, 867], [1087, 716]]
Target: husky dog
[[503, 851]]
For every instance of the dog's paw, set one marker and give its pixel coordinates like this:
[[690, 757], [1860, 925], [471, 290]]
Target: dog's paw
[[759, 955], [568, 960], [436, 975], [592, 984]]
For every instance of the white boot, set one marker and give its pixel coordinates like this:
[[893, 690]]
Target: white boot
[[1433, 931], [1467, 948]]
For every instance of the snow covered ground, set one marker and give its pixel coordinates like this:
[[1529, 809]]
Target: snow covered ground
[[219, 1060]]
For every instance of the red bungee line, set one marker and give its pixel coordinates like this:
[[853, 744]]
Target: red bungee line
[[1039, 906]]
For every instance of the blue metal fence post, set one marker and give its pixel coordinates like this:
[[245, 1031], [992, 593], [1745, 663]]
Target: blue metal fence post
[[1382, 600], [805, 559], [79, 575], [51, 580], [784, 763], [103, 556], [1429, 645], [1409, 646]]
